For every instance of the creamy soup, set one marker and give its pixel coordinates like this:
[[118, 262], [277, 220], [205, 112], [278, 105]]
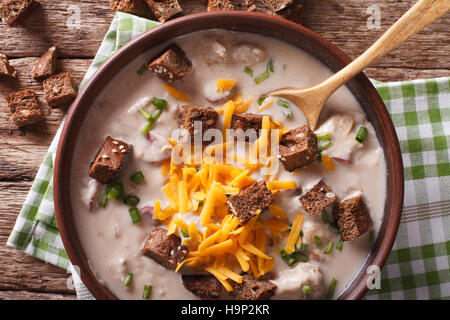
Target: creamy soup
[[113, 243]]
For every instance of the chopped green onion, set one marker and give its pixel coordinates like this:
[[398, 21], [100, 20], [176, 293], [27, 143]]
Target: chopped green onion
[[361, 135], [142, 70], [325, 218], [331, 289], [334, 228], [116, 191], [137, 178], [283, 103], [104, 200], [147, 292], [288, 115], [303, 248], [323, 136], [319, 158], [306, 289], [184, 233], [318, 241], [329, 247], [288, 258], [263, 76], [159, 103], [249, 71], [155, 115], [339, 244], [135, 215], [270, 66], [324, 146], [261, 100], [128, 279], [145, 114], [300, 257], [131, 201]]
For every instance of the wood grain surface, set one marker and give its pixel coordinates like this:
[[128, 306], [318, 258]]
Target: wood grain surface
[[343, 22]]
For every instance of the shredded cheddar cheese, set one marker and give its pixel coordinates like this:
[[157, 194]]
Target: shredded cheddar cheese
[[295, 233], [177, 94], [225, 84]]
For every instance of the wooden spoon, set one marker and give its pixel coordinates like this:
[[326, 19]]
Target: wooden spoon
[[311, 100]]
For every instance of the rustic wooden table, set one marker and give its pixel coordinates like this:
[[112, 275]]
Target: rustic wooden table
[[350, 24]]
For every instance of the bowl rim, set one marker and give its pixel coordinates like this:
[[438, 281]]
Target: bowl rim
[[380, 249]]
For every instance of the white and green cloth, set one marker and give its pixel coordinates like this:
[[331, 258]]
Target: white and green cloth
[[418, 266]]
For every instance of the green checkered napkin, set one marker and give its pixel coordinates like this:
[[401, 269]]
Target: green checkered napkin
[[417, 268]]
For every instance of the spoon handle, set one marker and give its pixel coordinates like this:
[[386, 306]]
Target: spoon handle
[[415, 19]]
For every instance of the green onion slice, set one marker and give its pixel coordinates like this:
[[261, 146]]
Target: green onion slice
[[288, 114], [318, 241], [263, 76], [261, 100], [300, 257], [131, 201], [116, 191], [249, 71], [128, 279], [147, 292], [325, 218], [324, 136], [288, 258], [135, 215], [184, 233], [270, 66], [306, 289], [329, 247], [334, 228], [339, 244], [137, 178], [331, 288], [361, 135], [142, 70], [159, 103], [283, 103], [104, 200], [145, 114], [324, 146]]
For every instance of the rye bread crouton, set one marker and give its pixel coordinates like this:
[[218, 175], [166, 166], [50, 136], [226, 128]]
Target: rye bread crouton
[[220, 5], [191, 118], [298, 148], [253, 289], [164, 9], [203, 286], [352, 218], [131, 6], [109, 160], [46, 65], [171, 65], [277, 5], [164, 249], [24, 108], [60, 89], [7, 71], [251, 201], [247, 121], [14, 12], [318, 198]]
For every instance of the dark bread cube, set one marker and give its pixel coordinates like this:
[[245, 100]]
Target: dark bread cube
[[203, 286], [253, 289], [250, 201], [60, 89], [24, 107], [298, 148], [109, 160], [172, 65], [7, 71], [13, 12], [220, 5], [352, 218], [164, 9], [318, 198], [189, 115], [46, 65], [277, 5], [164, 249], [131, 6], [246, 121], [294, 12]]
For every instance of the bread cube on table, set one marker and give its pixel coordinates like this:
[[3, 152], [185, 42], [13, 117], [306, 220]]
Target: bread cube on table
[[131, 6], [7, 71], [14, 12], [24, 108], [253, 289], [298, 148], [220, 5], [171, 65], [203, 286], [164, 9], [352, 217], [109, 160], [277, 5], [46, 65], [251, 201], [60, 90], [318, 198], [164, 249], [189, 115]]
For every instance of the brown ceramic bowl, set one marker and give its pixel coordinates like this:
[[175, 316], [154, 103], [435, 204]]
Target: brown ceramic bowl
[[294, 34]]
